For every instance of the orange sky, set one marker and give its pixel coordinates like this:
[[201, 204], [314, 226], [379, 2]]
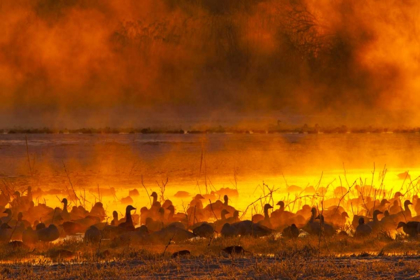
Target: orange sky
[[112, 62]]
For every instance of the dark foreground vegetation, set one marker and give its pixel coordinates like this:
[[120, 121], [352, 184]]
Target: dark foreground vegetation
[[353, 232], [269, 258]]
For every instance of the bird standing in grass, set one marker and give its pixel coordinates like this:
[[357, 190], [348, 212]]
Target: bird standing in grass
[[291, 232], [128, 224], [267, 221], [8, 218], [375, 224], [313, 226], [204, 230], [362, 230], [93, 235], [235, 250], [218, 225], [48, 234], [410, 228], [326, 229], [181, 253], [114, 221], [29, 236]]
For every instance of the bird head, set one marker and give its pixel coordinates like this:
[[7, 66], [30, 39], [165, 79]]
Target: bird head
[[306, 207], [224, 212], [384, 201], [268, 206], [398, 194], [280, 203], [377, 212], [199, 196]]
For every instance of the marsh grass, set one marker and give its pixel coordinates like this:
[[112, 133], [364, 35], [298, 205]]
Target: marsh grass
[[270, 258]]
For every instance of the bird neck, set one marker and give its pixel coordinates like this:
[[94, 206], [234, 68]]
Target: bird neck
[[375, 217], [65, 207], [226, 202], [282, 208], [407, 211], [154, 199], [313, 216], [266, 216], [223, 216], [128, 216]]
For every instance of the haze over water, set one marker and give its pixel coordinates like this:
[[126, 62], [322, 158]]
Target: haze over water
[[190, 161]]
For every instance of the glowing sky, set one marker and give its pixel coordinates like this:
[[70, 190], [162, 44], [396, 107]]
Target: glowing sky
[[124, 62]]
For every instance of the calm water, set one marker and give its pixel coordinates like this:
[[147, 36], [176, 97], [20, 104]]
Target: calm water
[[180, 155]]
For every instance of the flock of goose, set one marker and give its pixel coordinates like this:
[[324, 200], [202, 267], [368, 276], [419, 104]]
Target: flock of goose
[[25, 223]]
